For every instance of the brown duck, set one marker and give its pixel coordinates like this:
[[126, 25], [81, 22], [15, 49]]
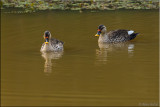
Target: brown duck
[[51, 44], [114, 36]]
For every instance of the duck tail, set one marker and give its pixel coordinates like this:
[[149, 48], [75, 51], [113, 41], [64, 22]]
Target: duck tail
[[132, 36]]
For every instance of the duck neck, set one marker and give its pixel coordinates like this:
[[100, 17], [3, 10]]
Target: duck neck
[[103, 34], [46, 47], [103, 37]]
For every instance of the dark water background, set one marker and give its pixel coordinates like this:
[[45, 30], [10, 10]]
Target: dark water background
[[85, 73]]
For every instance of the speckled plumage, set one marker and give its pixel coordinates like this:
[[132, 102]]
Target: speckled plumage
[[119, 36], [115, 36], [52, 45]]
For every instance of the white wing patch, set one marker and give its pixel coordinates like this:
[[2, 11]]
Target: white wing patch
[[130, 32]]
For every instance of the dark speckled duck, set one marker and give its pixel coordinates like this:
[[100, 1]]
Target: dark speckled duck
[[51, 44], [115, 36]]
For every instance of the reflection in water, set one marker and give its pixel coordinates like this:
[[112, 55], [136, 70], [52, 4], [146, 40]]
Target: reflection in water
[[105, 49], [48, 56], [130, 49]]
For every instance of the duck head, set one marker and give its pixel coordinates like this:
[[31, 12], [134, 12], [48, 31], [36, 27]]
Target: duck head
[[101, 30], [47, 36]]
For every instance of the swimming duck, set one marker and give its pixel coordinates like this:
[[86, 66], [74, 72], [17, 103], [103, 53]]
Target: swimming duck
[[51, 44], [115, 36]]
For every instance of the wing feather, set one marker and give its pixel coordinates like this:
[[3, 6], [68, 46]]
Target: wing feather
[[119, 35]]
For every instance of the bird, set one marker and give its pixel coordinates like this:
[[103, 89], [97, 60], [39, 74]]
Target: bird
[[115, 36], [51, 44]]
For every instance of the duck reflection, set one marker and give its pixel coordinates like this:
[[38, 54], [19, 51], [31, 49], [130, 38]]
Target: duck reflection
[[48, 56], [106, 50]]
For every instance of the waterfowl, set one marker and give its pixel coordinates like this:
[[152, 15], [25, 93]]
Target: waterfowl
[[51, 44], [114, 36]]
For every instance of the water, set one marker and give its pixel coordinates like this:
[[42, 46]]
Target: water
[[86, 73]]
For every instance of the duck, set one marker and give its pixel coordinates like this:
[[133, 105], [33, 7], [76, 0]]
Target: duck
[[115, 36], [51, 44]]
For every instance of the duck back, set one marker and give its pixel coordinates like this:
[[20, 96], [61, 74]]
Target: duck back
[[120, 35]]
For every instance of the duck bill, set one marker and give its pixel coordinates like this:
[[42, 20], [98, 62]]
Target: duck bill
[[46, 40], [98, 33]]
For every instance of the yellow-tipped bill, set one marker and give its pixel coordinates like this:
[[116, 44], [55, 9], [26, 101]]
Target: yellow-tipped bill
[[46, 42], [97, 35]]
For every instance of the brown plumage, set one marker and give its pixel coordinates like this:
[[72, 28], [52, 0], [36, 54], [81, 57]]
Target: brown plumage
[[51, 44], [115, 36]]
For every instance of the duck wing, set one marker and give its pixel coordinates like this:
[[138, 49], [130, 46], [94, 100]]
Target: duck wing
[[121, 35], [56, 41]]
